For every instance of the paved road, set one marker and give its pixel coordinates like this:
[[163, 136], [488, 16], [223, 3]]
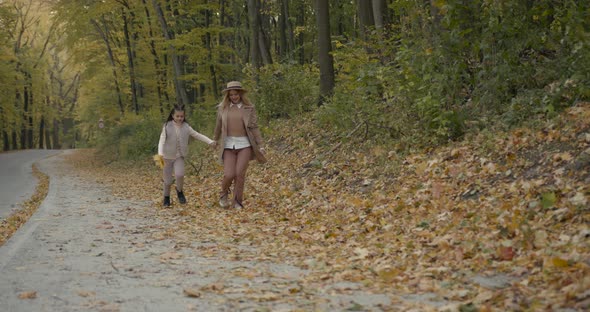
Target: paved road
[[17, 182], [87, 250]]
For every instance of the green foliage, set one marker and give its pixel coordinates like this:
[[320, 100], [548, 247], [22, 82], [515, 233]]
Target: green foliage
[[132, 138], [283, 90], [479, 63], [438, 69], [358, 87]]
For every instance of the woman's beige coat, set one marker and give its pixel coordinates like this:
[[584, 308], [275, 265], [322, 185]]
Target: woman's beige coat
[[250, 124], [167, 143]]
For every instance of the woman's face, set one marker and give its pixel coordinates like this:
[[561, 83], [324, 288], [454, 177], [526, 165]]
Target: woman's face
[[234, 96], [178, 117]]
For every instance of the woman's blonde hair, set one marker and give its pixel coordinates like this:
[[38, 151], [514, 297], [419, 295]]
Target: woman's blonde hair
[[226, 101]]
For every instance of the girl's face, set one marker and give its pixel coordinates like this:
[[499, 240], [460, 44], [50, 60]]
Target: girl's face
[[234, 96], [178, 117]]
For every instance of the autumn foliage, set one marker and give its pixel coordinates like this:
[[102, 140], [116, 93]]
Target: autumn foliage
[[496, 221]]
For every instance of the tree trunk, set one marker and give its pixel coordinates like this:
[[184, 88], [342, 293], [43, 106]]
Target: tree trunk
[[181, 96], [300, 36], [131, 62], [255, 57], [48, 138], [55, 140], [30, 125], [264, 39], [5, 141], [209, 47], [366, 20], [378, 8], [160, 72], [435, 15], [283, 49], [41, 133], [264, 49], [325, 58], [24, 139], [104, 35], [46, 132], [14, 140]]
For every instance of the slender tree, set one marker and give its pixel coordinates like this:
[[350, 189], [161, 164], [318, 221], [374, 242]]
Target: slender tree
[[181, 95], [325, 58], [103, 30], [130, 60], [254, 20]]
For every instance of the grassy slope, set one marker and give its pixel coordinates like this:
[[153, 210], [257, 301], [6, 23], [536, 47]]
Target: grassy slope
[[509, 204]]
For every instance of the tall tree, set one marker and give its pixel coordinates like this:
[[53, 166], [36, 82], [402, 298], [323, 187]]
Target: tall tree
[[286, 39], [366, 19], [264, 40], [325, 58], [209, 46], [301, 36], [254, 20], [130, 57], [103, 30], [379, 6], [161, 91], [181, 95]]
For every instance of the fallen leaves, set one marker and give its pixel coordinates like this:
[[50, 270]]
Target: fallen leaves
[[27, 295], [513, 205], [13, 222], [192, 292]]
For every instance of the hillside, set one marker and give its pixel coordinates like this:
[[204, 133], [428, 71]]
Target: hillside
[[495, 221]]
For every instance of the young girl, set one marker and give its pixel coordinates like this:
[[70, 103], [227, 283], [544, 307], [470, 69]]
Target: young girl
[[173, 148], [239, 141]]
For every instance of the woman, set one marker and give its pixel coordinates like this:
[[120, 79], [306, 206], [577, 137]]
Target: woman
[[239, 141]]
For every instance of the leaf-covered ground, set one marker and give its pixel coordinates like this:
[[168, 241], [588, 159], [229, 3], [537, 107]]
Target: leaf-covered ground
[[494, 222]]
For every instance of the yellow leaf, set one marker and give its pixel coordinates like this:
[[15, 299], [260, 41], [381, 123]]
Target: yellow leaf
[[559, 263], [192, 292], [159, 161], [388, 275], [28, 295]]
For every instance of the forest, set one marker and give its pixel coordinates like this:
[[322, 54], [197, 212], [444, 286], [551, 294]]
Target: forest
[[435, 151], [408, 73]]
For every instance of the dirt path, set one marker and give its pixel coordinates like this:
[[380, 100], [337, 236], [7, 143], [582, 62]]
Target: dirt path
[[86, 250]]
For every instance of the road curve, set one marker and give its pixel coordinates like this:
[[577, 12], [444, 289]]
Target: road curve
[[17, 182]]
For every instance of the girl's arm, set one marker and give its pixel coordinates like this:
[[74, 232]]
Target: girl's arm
[[162, 140], [199, 136]]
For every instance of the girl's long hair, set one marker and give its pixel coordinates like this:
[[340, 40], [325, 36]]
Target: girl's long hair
[[244, 98]]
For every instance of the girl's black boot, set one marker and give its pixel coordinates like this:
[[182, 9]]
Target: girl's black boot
[[181, 198], [166, 201]]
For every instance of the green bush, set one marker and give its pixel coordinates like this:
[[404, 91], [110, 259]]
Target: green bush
[[133, 138], [283, 90]]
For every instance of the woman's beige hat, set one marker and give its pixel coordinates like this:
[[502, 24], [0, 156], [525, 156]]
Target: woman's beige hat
[[234, 85]]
